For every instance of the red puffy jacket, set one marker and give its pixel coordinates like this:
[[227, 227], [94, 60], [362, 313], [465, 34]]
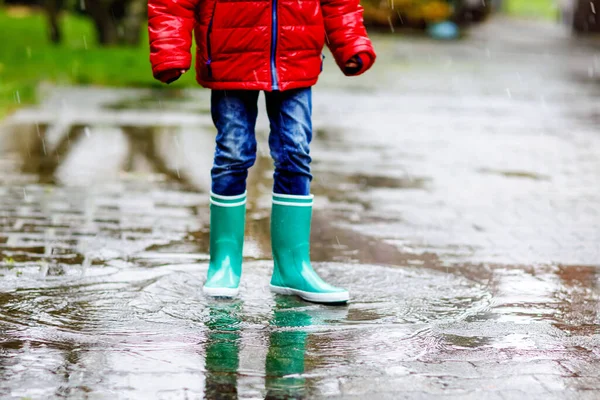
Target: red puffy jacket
[[256, 44]]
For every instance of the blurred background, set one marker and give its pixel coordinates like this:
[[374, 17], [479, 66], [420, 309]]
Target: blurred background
[[103, 42], [457, 197]]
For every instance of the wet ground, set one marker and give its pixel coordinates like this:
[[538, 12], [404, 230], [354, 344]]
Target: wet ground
[[457, 197]]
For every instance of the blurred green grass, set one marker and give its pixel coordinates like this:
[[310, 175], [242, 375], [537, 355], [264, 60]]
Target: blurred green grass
[[27, 58], [539, 9]]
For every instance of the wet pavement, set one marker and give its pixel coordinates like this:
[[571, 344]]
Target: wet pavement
[[457, 198]]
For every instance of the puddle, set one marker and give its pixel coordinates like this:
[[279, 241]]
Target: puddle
[[129, 314]]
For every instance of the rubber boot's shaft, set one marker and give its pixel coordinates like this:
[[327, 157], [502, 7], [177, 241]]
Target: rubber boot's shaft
[[290, 239], [227, 223]]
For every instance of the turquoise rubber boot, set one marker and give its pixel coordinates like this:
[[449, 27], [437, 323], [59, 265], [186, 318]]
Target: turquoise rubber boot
[[227, 221], [293, 273]]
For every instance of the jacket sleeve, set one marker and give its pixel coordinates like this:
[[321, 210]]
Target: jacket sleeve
[[346, 33], [170, 27]]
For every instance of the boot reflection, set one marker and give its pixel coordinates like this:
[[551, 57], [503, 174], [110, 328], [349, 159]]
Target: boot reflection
[[287, 347], [222, 350]]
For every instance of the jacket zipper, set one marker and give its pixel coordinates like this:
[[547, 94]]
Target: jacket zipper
[[275, 83], [208, 47]]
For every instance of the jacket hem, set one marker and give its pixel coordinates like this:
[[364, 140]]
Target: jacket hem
[[264, 86]]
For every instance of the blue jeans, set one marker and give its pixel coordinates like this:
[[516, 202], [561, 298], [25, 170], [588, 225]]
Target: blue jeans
[[234, 113]]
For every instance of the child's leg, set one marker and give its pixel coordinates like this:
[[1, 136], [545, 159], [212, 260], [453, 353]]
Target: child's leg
[[234, 113], [291, 134]]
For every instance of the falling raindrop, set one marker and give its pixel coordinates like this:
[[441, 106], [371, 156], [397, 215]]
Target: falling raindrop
[[28, 50], [593, 7], [85, 44], [87, 131], [17, 97], [391, 24], [82, 5], [87, 262], [508, 93]]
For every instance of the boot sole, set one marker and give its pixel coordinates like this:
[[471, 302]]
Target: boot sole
[[220, 292], [341, 297]]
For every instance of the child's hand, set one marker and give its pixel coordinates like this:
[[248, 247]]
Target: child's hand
[[354, 65], [354, 62], [171, 75]]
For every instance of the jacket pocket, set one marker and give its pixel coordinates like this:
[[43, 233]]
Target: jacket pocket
[[208, 45]]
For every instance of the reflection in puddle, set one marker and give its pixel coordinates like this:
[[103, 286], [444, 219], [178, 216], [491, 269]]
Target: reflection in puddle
[[222, 350], [285, 363]]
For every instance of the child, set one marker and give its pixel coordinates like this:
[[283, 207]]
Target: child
[[243, 47]]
